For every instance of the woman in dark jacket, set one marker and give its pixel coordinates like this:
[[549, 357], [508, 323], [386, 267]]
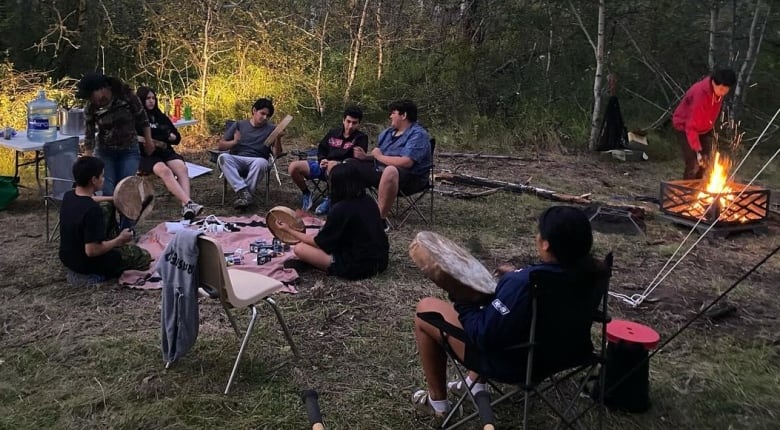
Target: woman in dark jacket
[[164, 161]]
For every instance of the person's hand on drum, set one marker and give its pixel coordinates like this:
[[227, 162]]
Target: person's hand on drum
[[503, 269], [283, 226], [125, 237]]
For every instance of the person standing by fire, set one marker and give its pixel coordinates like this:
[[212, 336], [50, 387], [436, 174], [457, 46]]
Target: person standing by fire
[[695, 118]]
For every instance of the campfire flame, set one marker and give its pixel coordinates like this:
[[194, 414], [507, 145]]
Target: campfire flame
[[717, 194]]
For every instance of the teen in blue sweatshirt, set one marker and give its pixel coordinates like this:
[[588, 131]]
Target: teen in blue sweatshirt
[[564, 241]]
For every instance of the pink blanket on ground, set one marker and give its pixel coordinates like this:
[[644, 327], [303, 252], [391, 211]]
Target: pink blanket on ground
[[157, 239]]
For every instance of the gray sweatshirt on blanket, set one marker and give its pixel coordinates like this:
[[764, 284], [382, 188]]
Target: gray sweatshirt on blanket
[[178, 268]]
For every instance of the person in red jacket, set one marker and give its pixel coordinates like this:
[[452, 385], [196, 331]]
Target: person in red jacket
[[695, 118]]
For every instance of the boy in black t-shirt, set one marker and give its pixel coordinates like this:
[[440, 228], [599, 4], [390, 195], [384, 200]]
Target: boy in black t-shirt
[[337, 146], [85, 226], [352, 244]]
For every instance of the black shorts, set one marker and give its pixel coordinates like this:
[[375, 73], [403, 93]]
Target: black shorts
[[370, 173], [158, 156]]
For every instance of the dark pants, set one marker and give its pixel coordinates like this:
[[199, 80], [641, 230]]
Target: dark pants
[[692, 168], [370, 174]]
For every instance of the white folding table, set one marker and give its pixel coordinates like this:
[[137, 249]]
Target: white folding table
[[21, 144]]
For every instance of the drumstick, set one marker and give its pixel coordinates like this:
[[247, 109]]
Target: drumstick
[[482, 399], [309, 398]]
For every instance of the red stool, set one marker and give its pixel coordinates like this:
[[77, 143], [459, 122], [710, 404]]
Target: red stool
[[627, 368]]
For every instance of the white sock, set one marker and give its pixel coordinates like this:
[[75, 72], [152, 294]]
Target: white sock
[[440, 406], [477, 387]]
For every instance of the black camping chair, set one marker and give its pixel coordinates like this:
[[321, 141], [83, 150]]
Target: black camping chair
[[320, 187], [214, 158], [558, 347], [410, 199]]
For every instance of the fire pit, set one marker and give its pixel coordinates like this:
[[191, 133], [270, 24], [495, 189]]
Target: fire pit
[[734, 206]]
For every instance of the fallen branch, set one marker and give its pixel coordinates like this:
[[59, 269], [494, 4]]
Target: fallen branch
[[466, 195], [486, 156], [542, 193]]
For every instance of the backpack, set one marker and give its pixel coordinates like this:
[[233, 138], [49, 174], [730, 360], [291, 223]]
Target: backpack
[[9, 190]]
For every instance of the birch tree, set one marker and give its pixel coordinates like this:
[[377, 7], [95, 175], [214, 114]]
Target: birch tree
[[598, 82]]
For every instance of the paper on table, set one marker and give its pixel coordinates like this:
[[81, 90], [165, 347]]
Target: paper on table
[[195, 170]]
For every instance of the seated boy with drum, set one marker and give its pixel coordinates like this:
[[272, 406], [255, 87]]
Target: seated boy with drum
[[352, 243], [563, 243], [89, 242]]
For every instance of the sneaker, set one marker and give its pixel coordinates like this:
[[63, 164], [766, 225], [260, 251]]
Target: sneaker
[[422, 404], [323, 207], [459, 387], [246, 195], [191, 210], [240, 203], [306, 201], [81, 280]]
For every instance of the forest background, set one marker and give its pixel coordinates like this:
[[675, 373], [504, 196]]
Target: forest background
[[486, 74]]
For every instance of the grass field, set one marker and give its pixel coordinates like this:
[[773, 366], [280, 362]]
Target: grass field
[[90, 358]]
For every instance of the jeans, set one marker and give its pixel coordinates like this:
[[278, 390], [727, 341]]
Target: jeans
[[120, 163], [692, 169]]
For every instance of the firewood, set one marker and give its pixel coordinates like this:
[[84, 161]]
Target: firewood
[[465, 195], [487, 156], [542, 193]]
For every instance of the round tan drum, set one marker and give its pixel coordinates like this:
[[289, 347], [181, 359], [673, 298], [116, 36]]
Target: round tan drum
[[287, 216], [451, 267], [134, 197], [278, 130]]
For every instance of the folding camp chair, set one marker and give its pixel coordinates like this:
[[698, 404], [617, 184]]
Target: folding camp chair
[[272, 167], [60, 155], [558, 346], [409, 200], [237, 289], [320, 187]]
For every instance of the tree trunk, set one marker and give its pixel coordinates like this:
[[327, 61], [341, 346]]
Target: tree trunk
[[321, 60], [205, 63], [356, 54], [713, 28], [598, 81], [379, 41], [750, 58]]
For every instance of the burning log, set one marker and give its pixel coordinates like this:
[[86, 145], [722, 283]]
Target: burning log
[[542, 193], [715, 199]]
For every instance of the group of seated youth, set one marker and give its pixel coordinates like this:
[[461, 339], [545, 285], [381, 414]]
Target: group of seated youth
[[352, 243]]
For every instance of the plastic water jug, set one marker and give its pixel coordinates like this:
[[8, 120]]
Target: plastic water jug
[[42, 119]]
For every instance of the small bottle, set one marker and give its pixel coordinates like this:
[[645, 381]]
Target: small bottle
[[42, 119], [176, 109], [187, 112]]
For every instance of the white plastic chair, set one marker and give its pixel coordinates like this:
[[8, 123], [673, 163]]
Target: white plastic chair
[[237, 288]]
